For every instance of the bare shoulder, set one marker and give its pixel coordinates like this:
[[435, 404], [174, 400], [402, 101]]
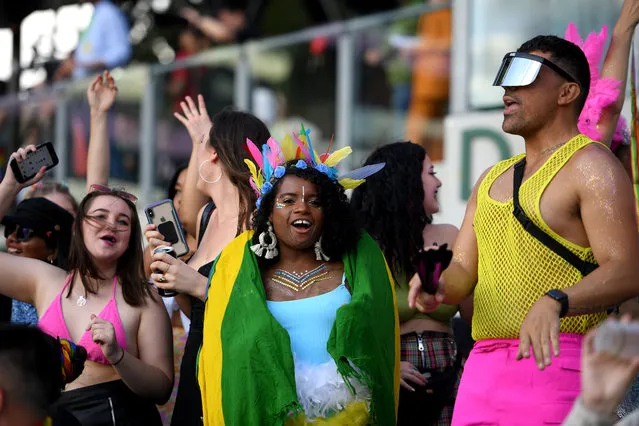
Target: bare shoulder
[[483, 176], [154, 303], [593, 156], [443, 233], [49, 281], [595, 167]]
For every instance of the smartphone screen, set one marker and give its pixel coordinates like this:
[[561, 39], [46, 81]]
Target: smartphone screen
[[163, 215], [44, 156]]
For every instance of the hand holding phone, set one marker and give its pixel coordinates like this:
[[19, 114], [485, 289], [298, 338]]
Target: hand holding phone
[[28, 162], [429, 264], [164, 216]]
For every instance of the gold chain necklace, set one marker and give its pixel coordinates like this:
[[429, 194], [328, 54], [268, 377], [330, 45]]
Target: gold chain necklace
[[552, 148]]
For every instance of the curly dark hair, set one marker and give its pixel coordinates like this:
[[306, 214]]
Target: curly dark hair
[[341, 228], [391, 204]]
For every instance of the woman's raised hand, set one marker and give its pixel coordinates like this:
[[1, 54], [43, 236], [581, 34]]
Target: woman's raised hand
[[196, 119], [9, 178], [102, 92]]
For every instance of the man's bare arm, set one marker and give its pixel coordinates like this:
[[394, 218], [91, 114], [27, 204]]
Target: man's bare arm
[[459, 279], [607, 207]]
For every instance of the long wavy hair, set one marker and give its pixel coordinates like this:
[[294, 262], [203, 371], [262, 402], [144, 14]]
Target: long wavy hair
[[391, 204], [341, 228], [228, 137], [130, 268]]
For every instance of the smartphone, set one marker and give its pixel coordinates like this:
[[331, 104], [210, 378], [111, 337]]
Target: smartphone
[[163, 215], [44, 156]]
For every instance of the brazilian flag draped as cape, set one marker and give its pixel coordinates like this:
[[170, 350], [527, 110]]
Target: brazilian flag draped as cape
[[245, 367]]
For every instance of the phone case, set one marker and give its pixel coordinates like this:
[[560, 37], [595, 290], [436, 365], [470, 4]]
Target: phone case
[[43, 156], [163, 215]]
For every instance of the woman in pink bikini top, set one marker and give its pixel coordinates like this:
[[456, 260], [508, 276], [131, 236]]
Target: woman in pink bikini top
[[105, 305]]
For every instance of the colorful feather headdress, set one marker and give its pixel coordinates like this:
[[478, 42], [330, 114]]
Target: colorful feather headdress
[[603, 91], [270, 164]]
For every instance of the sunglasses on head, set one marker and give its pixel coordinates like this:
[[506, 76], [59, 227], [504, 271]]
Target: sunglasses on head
[[23, 234], [119, 192]]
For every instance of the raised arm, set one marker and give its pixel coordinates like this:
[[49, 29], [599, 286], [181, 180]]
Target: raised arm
[[24, 279], [616, 65], [459, 279], [150, 375], [10, 187], [198, 124], [101, 95]]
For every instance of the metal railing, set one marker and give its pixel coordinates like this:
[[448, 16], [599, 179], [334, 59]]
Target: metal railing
[[143, 109], [142, 84]]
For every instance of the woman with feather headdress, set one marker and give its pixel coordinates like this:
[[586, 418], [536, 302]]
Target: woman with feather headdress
[[300, 324]]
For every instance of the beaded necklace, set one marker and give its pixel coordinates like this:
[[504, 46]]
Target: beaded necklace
[[300, 281]]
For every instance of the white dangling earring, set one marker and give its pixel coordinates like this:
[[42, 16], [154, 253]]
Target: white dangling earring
[[202, 177], [263, 246], [319, 253]]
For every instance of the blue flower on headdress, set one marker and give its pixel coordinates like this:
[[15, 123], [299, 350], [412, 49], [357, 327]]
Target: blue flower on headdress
[[322, 168], [279, 171], [266, 188], [301, 164], [258, 203]]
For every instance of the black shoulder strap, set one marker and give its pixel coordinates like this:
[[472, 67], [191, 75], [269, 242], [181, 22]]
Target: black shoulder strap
[[204, 221], [582, 266]]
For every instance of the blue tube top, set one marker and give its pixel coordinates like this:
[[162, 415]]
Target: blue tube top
[[309, 322]]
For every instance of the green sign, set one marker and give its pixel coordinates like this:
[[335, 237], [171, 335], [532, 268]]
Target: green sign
[[468, 138]]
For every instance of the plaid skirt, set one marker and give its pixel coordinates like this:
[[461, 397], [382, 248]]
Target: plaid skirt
[[434, 354]]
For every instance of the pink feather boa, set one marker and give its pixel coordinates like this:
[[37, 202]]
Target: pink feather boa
[[603, 91]]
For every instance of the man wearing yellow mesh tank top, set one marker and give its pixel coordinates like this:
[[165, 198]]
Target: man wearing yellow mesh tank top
[[539, 289]]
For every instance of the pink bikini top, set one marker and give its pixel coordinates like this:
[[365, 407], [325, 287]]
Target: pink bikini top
[[52, 323]]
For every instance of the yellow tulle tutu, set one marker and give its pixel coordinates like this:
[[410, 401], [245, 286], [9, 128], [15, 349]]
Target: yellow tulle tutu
[[355, 414]]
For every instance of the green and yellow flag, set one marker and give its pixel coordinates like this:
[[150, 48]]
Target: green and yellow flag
[[245, 368]]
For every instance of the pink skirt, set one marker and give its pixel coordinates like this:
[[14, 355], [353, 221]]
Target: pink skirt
[[498, 390]]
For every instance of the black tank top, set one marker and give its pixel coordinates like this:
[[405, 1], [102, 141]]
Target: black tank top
[[188, 403]]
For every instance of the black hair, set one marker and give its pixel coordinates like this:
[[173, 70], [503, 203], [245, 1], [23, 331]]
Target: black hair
[[568, 56], [31, 369], [171, 189], [61, 244], [341, 228], [391, 204]]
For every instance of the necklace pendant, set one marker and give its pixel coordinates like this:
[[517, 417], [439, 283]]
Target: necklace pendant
[[81, 302]]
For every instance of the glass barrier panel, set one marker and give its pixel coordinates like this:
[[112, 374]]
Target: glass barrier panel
[[212, 74], [402, 83], [296, 84], [25, 119], [123, 126], [501, 26]]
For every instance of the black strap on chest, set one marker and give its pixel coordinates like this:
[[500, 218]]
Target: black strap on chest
[[204, 222], [582, 266]]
